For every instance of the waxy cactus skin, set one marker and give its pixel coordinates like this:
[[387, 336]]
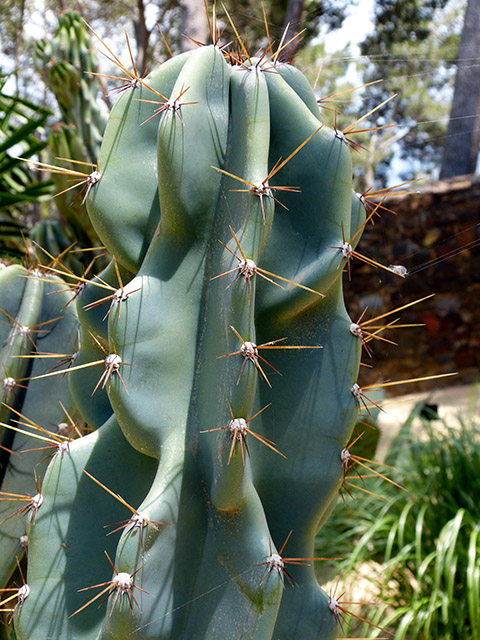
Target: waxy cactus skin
[[182, 202]]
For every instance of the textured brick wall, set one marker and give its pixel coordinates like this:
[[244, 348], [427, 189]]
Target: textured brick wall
[[439, 223]]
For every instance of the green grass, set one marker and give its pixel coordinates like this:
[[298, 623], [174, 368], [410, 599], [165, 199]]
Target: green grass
[[427, 542]]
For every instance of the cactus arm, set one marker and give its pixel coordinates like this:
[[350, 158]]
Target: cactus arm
[[158, 331], [296, 496], [318, 412], [237, 534], [299, 83], [28, 315], [322, 171], [21, 469], [63, 558], [124, 207], [11, 288], [161, 319]]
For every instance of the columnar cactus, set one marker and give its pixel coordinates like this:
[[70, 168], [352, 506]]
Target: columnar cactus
[[222, 370], [68, 66], [32, 322]]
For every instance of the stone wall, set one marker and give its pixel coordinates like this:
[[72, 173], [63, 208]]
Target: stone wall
[[435, 234]]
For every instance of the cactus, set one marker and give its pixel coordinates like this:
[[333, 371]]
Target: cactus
[[223, 388], [69, 68], [32, 322]]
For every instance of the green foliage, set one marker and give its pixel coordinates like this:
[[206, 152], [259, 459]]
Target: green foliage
[[249, 19], [21, 122], [413, 47], [423, 552]]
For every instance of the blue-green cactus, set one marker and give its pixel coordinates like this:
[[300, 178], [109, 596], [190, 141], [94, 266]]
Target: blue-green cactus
[[226, 364], [32, 322]]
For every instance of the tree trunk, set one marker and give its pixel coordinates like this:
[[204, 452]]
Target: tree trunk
[[142, 35], [18, 44], [194, 23], [291, 26], [463, 135]]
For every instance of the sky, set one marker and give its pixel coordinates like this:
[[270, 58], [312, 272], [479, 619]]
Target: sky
[[355, 27]]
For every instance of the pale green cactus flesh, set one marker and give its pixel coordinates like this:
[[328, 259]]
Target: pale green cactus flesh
[[226, 364]]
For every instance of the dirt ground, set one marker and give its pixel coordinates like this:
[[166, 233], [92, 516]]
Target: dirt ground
[[448, 403]]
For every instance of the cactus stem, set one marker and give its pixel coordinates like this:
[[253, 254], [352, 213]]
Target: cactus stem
[[139, 520], [239, 430], [122, 586], [247, 268]]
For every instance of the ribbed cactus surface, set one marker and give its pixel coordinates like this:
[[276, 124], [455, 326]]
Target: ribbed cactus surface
[[225, 361]]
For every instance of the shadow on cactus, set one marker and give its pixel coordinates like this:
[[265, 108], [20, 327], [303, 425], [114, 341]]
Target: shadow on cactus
[[216, 366]]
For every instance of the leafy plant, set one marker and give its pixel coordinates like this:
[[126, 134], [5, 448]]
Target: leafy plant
[[21, 127], [423, 552]]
